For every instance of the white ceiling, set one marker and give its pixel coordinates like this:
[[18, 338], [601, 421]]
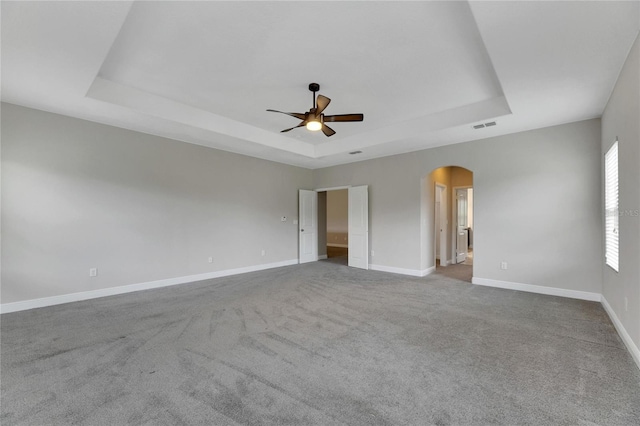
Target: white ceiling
[[423, 73]]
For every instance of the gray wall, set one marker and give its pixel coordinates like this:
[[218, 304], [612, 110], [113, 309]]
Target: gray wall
[[537, 205], [621, 118], [77, 195]]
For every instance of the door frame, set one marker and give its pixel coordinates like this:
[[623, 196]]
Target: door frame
[[313, 226], [442, 225], [335, 188], [454, 215], [358, 226]]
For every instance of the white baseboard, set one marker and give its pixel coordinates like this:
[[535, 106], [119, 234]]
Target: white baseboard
[[428, 271], [403, 271], [540, 289], [622, 332], [111, 291], [322, 256], [337, 245]]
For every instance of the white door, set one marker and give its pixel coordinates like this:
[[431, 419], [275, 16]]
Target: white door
[[359, 227], [441, 223], [462, 236], [308, 226]]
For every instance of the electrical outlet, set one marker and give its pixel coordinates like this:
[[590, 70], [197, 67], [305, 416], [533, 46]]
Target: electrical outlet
[[503, 265], [263, 252], [372, 253], [93, 272], [295, 221], [210, 259]]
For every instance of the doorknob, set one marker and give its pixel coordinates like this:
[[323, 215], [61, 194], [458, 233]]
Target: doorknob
[[302, 230]]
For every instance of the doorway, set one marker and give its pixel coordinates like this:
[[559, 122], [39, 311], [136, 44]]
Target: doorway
[[450, 201], [337, 226], [315, 242]]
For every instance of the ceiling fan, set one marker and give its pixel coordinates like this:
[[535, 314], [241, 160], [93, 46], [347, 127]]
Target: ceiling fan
[[314, 119]]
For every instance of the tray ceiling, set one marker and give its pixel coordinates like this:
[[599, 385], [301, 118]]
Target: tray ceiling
[[423, 73]]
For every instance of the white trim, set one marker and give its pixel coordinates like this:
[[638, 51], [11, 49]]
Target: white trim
[[437, 226], [428, 271], [552, 291], [334, 188], [337, 245], [454, 216], [322, 256], [403, 271], [622, 332], [111, 291]]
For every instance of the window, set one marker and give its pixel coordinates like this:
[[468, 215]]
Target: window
[[611, 206]]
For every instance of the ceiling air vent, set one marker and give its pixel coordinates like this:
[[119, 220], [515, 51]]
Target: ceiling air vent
[[481, 126]]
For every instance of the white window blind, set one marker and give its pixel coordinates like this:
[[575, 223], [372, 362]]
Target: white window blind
[[611, 206]]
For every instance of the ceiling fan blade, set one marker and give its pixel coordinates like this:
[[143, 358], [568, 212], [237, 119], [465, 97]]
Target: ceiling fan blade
[[292, 114], [322, 103], [328, 131], [344, 117], [299, 125]]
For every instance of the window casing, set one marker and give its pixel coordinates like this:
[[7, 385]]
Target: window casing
[[611, 206]]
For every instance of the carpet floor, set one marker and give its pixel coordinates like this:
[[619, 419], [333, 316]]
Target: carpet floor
[[459, 272], [318, 344]]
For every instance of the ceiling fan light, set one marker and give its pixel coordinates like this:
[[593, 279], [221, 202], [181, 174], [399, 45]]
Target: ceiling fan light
[[314, 125]]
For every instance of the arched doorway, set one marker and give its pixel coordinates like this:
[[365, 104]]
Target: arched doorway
[[449, 221]]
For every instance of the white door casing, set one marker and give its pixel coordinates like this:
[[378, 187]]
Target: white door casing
[[462, 238], [307, 226], [441, 227], [359, 227], [437, 227]]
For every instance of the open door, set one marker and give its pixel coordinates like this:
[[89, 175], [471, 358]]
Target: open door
[[308, 226], [359, 227], [462, 230]]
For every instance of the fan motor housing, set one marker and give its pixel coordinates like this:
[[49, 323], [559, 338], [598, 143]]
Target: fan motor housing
[[314, 87]]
